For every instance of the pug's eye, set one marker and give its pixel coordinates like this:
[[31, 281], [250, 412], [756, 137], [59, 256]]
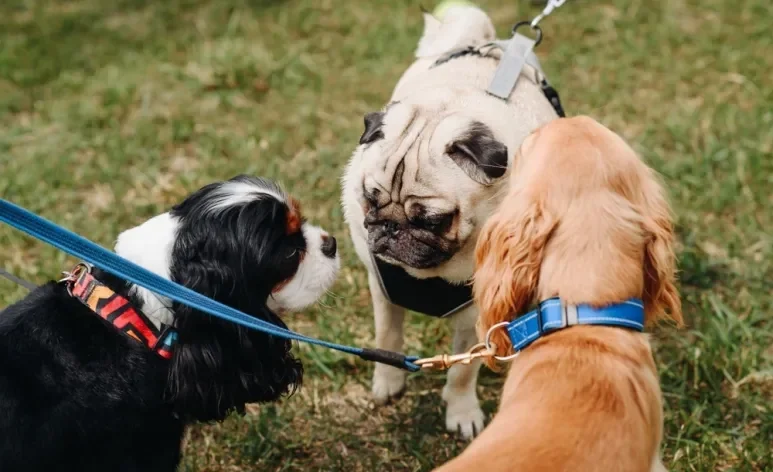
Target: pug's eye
[[435, 223], [371, 196]]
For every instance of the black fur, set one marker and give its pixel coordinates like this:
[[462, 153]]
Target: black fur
[[77, 395], [479, 154], [373, 123]]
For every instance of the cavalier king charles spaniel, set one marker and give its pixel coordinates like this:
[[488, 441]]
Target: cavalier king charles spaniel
[[585, 220], [97, 374]]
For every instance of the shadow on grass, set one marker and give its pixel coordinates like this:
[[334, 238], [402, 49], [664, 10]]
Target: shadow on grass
[[696, 270]]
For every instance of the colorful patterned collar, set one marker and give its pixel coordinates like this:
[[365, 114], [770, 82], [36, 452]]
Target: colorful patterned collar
[[119, 311]]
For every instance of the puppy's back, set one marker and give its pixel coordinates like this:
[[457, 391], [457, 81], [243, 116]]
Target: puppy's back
[[67, 380], [580, 400]]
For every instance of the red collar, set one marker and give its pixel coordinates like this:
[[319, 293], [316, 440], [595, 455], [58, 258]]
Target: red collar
[[118, 311]]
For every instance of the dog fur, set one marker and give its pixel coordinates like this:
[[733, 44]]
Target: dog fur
[[430, 169], [585, 220], [78, 395]]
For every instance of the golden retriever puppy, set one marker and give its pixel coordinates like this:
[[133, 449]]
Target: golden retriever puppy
[[585, 229]]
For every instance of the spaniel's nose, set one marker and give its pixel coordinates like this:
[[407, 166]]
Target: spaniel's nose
[[329, 246]]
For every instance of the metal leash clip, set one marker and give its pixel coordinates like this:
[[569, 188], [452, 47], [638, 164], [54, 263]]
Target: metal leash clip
[[445, 361], [72, 276], [516, 53], [552, 5], [493, 347]]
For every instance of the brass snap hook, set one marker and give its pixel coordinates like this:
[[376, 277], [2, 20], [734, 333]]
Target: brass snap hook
[[445, 361]]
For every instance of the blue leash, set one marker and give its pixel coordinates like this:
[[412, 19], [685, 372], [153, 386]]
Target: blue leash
[[92, 253]]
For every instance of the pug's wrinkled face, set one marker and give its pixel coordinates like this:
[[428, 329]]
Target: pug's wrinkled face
[[428, 180]]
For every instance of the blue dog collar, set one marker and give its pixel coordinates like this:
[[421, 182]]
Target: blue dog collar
[[553, 315]]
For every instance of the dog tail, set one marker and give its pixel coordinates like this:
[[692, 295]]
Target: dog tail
[[454, 26]]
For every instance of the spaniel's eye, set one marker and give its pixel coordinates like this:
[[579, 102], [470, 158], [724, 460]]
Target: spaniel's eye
[[295, 253]]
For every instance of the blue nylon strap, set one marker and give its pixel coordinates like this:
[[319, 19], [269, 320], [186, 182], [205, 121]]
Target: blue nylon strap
[[92, 253], [553, 315]]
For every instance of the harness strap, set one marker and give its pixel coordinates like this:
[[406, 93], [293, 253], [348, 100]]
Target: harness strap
[[516, 58], [516, 53], [92, 253]]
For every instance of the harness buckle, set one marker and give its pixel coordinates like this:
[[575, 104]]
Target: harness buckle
[[72, 276], [445, 361], [75, 272], [569, 315]]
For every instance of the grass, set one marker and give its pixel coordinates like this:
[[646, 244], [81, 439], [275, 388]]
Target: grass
[[112, 111]]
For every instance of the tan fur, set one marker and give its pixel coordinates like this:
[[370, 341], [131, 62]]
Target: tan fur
[[585, 219], [294, 218]]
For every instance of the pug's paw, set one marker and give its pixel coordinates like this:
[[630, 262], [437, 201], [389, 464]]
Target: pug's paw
[[388, 383], [657, 465], [463, 415]]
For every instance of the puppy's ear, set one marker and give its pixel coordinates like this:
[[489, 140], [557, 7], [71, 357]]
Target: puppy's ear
[[373, 123], [218, 367], [661, 298], [508, 257], [479, 154]]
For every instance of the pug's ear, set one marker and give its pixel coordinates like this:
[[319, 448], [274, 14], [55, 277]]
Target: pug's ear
[[479, 154], [373, 123]]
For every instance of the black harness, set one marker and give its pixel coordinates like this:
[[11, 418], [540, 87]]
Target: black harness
[[435, 296], [483, 51]]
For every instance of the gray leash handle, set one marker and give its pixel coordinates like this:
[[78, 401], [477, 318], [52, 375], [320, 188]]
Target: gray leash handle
[[519, 51], [28, 285]]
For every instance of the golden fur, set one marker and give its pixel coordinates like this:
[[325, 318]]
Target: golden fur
[[585, 219]]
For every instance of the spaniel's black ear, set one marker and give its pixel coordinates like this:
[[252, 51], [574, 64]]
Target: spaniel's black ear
[[373, 123], [479, 154], [218, 367]]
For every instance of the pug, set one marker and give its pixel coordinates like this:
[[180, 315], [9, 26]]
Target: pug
[[430, 168]]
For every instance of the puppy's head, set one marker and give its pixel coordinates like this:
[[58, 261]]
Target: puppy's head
[[426, 175], [585, 219], [244, 243]]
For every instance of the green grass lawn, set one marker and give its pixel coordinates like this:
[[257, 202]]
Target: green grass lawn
[[110, 111]]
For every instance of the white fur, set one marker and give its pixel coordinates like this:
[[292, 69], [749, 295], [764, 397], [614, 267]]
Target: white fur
[[237, 193], [314, 276], [463, 412], [149, 245], [388, 381], [657, 464]]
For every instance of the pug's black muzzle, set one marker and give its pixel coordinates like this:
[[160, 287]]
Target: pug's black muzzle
[[395, 242]]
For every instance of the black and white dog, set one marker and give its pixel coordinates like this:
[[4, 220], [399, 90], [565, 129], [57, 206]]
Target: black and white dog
[[97, 374]]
